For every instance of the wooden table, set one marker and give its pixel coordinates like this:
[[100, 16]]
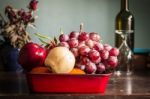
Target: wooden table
[[136, 86]]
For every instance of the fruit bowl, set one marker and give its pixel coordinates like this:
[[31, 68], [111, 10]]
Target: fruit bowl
[[67, 83], [53, 66]]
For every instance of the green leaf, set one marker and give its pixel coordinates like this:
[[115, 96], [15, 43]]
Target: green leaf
[[32, 25], [44, 42], [42, 36], [55, 40]]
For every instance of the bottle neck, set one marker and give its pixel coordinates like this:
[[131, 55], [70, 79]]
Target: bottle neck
[[124, 5]]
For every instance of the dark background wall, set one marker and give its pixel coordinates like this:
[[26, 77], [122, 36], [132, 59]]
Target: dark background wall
[[97, 15]]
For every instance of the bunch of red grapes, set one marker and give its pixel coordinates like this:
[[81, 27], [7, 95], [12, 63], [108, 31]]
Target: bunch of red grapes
[[91, 55]]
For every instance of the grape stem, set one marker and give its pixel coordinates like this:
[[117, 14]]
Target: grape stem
[[81, 27]]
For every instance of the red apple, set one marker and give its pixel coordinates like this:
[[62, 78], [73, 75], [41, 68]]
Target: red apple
[[31, 55]]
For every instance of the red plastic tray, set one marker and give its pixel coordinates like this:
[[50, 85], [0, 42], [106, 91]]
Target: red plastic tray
[[67, 83]]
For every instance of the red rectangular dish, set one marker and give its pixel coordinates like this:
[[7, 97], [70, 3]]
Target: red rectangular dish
[[67, 83]]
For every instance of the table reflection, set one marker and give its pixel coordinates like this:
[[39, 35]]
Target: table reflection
[[15, 84]]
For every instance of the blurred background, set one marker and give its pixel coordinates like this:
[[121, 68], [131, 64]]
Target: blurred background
[[97, 16]]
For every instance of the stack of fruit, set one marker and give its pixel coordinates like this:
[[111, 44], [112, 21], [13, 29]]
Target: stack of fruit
[[80, 52]]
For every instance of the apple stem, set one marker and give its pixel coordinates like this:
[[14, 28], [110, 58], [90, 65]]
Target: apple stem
[[81, 27]]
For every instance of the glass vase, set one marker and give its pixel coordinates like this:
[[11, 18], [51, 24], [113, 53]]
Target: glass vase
[[126, 55]]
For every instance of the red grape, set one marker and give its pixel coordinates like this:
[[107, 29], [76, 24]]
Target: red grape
[[112, 61], [63, 38], [97, 60], [94, 36], [74, 51], [114, 52], [107, 47], [80, 65], [84, 50], [81, 43], [91, 55], [74, 34], [104, 54], [89, 43], [64, 44], [100, 68], [73, 42], [90, 68], [94, 55], [83, 36], [98, 46], [85, 60]]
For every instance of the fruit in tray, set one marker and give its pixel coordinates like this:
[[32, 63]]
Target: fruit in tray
[[60, 60], [32, 55], [77, 71], [40, 69], [76, 50]]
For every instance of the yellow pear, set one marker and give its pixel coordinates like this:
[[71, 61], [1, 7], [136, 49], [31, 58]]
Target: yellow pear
[[60, 60]]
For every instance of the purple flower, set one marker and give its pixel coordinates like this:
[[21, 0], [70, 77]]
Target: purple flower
[[9, 11], [20, 12], [33, 5], [26, 16]]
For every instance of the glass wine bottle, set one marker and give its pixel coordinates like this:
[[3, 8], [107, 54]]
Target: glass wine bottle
[[124, 37]]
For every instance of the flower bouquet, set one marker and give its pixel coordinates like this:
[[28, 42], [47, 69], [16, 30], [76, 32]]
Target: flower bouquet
[[13, 29], [13, 34]]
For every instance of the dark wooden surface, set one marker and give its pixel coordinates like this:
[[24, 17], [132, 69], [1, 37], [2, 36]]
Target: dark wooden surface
[[136, 86]]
